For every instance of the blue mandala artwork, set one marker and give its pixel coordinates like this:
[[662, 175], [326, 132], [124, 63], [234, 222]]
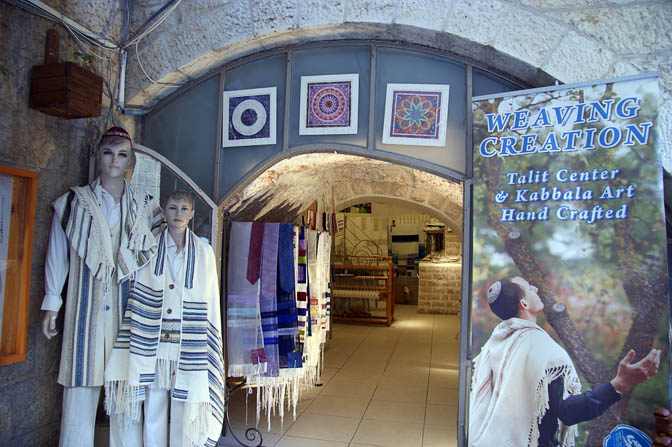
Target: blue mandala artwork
[[250, 117]]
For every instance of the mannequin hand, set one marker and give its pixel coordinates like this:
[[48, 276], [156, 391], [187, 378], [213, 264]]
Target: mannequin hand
[[632, 374], [49, 324]]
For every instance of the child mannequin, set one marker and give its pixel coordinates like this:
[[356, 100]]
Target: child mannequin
[[169, 349]]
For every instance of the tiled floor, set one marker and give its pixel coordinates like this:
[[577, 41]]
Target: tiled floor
[[382, 386]]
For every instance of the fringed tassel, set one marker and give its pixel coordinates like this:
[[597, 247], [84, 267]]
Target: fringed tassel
[[195, 423], [247, 370], [124, 400], [165, 373]]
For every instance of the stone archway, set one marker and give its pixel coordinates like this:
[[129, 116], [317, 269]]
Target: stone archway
[[284, 190]]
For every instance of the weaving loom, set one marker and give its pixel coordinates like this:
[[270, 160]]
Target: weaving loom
[[362, 289]]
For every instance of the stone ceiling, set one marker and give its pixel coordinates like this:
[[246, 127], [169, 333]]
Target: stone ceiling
[[283, 191]]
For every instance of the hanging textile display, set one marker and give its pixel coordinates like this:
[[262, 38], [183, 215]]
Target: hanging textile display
[[245, 340], [277, 318], [301, 281], [312, 344], [324, 275], [288, 322], [268, 303]]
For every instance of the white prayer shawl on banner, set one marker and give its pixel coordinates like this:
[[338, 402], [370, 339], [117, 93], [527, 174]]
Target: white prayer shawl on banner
[[199, 381], [509, 394], [97, 277]]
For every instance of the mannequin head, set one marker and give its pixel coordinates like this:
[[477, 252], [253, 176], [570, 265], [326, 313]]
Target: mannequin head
[[115, 153], [178, 210]]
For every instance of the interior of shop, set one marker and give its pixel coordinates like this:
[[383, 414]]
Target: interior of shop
[[389, 367]]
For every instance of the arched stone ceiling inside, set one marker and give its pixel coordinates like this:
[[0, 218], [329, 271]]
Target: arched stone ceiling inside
[[283, 191]]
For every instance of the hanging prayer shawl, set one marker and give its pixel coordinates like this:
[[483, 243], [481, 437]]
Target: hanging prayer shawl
[[268, 302], [199, 380], [288, 330], [245, 339], [509, 394], [98, 279], [324, 275], [301, 281]]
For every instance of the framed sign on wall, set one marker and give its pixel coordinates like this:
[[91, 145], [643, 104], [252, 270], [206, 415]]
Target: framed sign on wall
[[18, 197]]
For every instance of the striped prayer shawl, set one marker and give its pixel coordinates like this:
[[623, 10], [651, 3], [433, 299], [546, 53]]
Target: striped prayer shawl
[[288, 329], [199, 381], [245, 339], [268, 302], [96, 278], [302, 303]]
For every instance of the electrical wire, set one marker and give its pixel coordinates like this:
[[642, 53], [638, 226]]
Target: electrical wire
[[87, 43]]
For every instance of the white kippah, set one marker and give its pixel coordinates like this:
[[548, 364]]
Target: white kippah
[[493, 292]]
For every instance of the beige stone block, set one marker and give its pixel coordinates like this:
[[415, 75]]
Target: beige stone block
[[319, 12], [630, 29], [430, 14], [476, 20], [530, 43]]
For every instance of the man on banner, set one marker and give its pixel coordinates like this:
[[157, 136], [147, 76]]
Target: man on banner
[[525, 385]]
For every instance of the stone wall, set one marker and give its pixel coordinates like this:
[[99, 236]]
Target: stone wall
[[439, 288], [452, 243], [570, 40], [30, 402]]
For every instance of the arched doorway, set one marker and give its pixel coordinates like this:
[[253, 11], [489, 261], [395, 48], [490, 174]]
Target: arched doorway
[[378, 383]]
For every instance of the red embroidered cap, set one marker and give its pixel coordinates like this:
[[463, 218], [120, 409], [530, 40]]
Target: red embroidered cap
[[117, 132]]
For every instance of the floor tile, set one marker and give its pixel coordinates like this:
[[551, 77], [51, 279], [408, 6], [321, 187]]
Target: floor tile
[[401, 393], [396, 411], [442, 395], [388, 433], [439, 436], [445, 377], [443, 415], [342, 387], [327, 428], [339, 406], [293, 441]]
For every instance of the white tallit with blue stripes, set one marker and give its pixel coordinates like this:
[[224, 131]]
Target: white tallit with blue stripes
[[97, 278], [199, 381]]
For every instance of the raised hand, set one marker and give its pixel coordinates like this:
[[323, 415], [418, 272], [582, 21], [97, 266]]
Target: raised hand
[[631, 374]]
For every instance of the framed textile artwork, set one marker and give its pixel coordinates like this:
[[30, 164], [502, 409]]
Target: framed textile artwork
[[249, 117], [416, 114], [329, 104]]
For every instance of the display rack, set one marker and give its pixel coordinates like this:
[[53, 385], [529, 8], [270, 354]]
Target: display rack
[[362, 289], [252, 434]]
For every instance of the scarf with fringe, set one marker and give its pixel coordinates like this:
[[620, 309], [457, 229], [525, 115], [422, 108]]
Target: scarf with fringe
[[199, 379], [509, 393], [245, 339], [93, 266]]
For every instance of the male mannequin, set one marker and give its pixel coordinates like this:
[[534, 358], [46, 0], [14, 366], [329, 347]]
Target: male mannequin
[[100, 236], [169, 343]]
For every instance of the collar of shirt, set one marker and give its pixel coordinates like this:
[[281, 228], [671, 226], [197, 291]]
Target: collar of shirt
[[111, 210], [175, 259]]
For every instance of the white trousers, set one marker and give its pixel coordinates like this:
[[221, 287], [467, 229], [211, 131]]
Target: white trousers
[[156, 425], [79, 419]]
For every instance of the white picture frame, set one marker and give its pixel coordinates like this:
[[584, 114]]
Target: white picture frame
[[425, 107], [329, 104]]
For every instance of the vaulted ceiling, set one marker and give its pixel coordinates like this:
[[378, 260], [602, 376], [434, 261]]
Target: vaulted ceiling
[[283, 191]]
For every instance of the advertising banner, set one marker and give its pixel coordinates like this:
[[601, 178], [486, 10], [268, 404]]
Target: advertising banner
[[570, 305]]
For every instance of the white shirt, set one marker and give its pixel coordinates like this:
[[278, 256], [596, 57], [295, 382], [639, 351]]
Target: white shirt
[[175, 259], [57, 263]]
